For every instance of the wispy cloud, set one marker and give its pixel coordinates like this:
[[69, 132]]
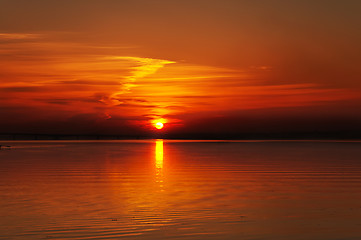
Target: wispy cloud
[[17, 36], [143, 68]]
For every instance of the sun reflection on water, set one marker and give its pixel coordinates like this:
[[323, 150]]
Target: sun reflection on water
[[159, 153], [159, 160]]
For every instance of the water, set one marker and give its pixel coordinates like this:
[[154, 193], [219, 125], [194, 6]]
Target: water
[[159, 189]]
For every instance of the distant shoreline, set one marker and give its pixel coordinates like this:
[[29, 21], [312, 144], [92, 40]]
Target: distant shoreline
[[46, 137]]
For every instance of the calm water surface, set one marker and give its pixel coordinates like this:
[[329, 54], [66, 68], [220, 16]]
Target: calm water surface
[[159, 189]]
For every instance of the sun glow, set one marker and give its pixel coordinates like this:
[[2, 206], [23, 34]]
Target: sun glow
[[159, 125]]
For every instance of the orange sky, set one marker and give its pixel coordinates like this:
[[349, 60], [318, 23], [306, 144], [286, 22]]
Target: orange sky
[[118, 66]]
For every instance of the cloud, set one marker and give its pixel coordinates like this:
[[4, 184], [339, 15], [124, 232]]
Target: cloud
[[143, 68], [19, 35], [89, 82]]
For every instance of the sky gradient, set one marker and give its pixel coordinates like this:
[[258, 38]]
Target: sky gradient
[[203, 68]]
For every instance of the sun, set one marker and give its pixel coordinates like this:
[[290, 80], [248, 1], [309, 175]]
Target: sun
[[159, 125]]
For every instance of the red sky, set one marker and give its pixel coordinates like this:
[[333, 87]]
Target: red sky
[[201, 67]]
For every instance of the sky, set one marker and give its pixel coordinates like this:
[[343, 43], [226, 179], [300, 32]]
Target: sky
[[204, 68]]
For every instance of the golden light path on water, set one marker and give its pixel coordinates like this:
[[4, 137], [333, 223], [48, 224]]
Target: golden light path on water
[[159, 161], [159, 153]]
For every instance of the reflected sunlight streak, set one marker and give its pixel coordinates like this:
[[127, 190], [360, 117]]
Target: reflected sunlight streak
[[159, 153], [159, 162]]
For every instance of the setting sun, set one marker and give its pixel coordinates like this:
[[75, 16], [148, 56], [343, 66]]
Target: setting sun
[[159, 125]]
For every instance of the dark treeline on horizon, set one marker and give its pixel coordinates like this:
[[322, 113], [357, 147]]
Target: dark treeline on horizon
[[193, 136]]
